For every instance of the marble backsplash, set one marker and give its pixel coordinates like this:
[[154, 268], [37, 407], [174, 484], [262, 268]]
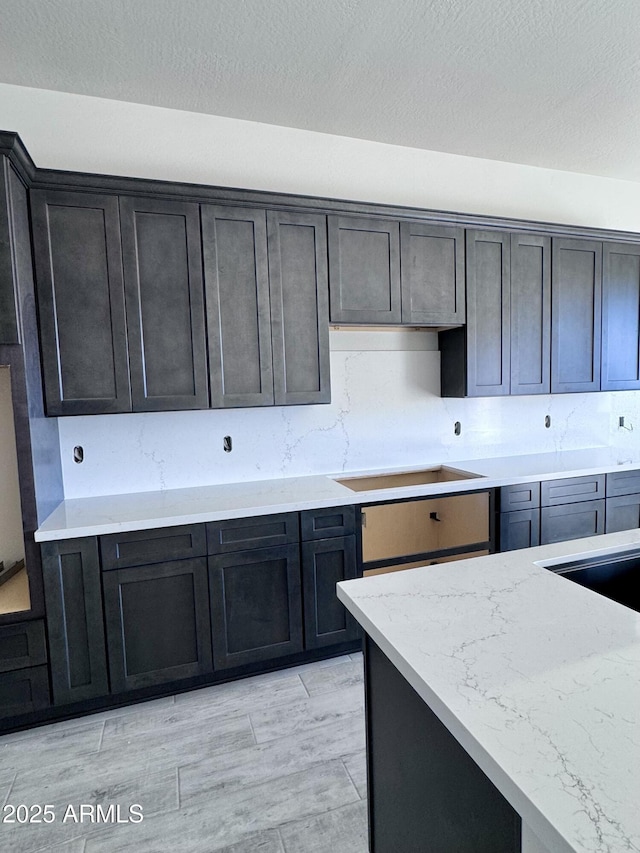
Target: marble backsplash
[[386, 411]]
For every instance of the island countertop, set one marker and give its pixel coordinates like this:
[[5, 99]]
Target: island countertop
[[538, 679], [96, 516]]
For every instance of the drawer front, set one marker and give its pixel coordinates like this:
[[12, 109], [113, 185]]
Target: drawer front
[[623, 513], [623, 483], [571, 521], [520, 496], [244, 534], [572, 490], [519, 529], [144, 547], [23, 691], [22, 646], [327, 523]]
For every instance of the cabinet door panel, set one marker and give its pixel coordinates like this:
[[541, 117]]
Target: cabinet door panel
[[572, 489], [256, 611], [23, 691], [71, 574], [623, 483], [22, 646], [575, 315], [623, 513], [157, 619], [260, 531], [234, 244], [530, 314], [78, 262], [299, 308], [488, 313], [519, 496], [620, 317], [325, 562], [432, 274], [165, 304], [519, 529], [571, 521], [364, 270]]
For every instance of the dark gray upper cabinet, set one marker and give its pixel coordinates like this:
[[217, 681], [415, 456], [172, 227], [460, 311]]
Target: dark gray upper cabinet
[[432, 274], [530, 346], [299, 307], [576, 315], [236, 272], [78, 262], [488, 313], [364, 270], [620, 317], [165, 304], [267, 306], [9, 333]]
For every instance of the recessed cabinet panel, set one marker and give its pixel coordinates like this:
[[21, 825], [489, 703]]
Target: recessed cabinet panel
[[325, 562], [24, 691], [571, 521], [620, 317], [234, 242], [623, 513], [519, 529], [576, 313], [9, 333], [530, 314], [78, 262], [364, 270], [299, 307], [432, 274], [165, 304], [256, 611], [488, 313]]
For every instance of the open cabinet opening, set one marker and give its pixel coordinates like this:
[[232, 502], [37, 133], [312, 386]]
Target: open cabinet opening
[[14, 582]]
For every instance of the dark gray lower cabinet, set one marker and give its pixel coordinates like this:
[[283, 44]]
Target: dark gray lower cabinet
[[623, 513], [71, 574], [157, 620], [23, 691], [571, 521], [325, 562], [519, 529], [256, 612], [9, 332]]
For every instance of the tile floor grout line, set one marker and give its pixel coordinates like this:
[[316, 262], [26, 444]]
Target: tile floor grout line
[[104, 725], [351, 779], [306, 689], [13, 782]]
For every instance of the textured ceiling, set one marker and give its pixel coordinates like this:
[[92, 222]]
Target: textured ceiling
[[552, 83]]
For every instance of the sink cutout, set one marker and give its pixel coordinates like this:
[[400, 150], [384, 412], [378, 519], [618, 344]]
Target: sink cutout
[[423, 476]]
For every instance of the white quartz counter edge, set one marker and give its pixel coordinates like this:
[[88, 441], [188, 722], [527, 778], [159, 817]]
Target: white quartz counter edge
[[96, 516], [537, 677]]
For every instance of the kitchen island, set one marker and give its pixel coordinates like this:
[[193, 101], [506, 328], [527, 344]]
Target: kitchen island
[[503, 706]]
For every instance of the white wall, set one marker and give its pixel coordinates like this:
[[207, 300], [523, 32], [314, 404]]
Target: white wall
[[11, 541], [386, 407]]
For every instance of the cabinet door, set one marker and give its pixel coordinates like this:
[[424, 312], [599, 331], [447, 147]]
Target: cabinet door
[[78, 263], [234, 242], [71, 574], [530, 314], [364, 270], [256, 610], [157, 621], [519, 529], [488, 313], [324, 563], [8, 305], [620, 316], [571, 521], [623, 513], [22, 645], [575, 315], [299, 308], [23, 691], [165, 304], [432, 274]]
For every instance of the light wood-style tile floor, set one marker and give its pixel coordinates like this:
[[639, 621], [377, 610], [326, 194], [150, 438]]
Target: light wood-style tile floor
[[269, 764]]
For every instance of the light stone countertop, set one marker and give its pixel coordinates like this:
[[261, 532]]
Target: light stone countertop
[[537, 677], [145, 510]]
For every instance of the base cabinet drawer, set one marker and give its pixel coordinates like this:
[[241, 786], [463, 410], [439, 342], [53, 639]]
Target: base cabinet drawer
[[24, 690], [325, 562], [157, 620], [520, 529], [256, 611], [22, 646], [623, 513], [572, 490], [571, 521]]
